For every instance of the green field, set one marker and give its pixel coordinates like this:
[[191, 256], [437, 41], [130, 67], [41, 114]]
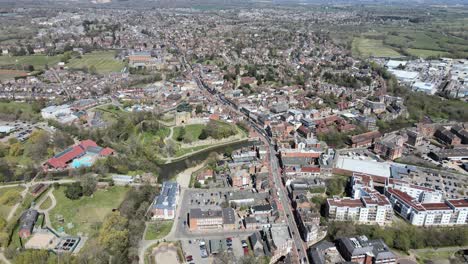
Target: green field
[[87, 213], [8, 198], [22, 62], [193, 130], [104, 62], [366, 47], [46, 204], [426, 53], [158, 229]]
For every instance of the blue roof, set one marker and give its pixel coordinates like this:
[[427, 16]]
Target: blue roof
[[167, 198]]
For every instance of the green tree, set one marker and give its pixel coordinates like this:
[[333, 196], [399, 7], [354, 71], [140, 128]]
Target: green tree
[[88, 183], [74, 191], [114, 233]]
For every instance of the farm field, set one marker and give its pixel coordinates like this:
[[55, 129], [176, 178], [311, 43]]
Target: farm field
[[86, 213], [104, 62]]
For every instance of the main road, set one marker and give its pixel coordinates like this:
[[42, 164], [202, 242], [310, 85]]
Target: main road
[[280, 192]]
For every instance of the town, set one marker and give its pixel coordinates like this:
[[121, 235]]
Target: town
[[268, 134]]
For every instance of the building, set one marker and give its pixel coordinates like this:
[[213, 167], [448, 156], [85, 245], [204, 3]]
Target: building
[[447, 213], [165, 204], [325, 252], [27, 222], [461, 133], [390, 147], [365, 139], [53, 111], [83, 154], [212, 219], [414, 138], [419, 193], [371, 208], [450, 154], [240, 178], [349, 166], [308, 223], [447, 137], [362, 250], [369, 122]]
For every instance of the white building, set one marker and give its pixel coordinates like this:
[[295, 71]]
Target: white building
[[448, 213], [54, 112], [371, 208], [420, 193]]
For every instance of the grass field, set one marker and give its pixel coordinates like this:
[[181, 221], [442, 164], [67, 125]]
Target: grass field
[[193, 130], [157, 230], [8, 198], [27, 112], [38, 61], [87, 213], [426, 53], [46, 204], [11, 74], [372, 47], [104, 62], [435, 256]]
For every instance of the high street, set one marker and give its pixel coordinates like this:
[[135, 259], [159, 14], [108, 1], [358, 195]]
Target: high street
[[280, 193]]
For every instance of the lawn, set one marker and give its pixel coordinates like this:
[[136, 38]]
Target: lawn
[[158, 229], [22, 62], [193, 130], [46, 204], [104, 62], [436, 256], [8, 198], [366, 47], [87, 213], [13, 107]]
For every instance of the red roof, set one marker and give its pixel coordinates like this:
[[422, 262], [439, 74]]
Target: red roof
[[106, 151], [459, 203], [436, 206], [310, 169], [60, 160], [404, 197], [88, 143], [301, 154]]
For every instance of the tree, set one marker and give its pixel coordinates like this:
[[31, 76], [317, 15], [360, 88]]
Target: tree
[[37, 145], [62, 140], [92, 69], [114, 233], [88, 183], [203, 135], [74, 191], [181, 135], [199, 109]]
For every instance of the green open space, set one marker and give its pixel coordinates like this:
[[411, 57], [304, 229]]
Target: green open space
[[46, 204], [193, 131], [22, 62], [86, 213], [103, 61], [434, 255], [158, 229], [8, 198], [366, 47]]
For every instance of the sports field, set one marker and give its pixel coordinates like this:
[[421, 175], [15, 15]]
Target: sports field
[[104, 62], [86, 213], [22, 62]]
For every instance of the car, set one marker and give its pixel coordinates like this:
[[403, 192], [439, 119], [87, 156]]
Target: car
[[246, 251], [244, 243], [190, 241], [189, 258]]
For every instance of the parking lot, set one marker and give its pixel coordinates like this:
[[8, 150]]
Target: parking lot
[[192, 248], [452, 185], [21, 130]]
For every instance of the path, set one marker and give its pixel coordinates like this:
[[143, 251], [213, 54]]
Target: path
[[50, 195], [3, 259], [15, 207]]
